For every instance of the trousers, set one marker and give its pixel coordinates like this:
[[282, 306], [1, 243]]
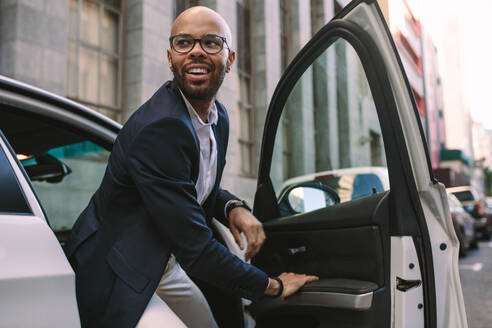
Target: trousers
[[177, 302]]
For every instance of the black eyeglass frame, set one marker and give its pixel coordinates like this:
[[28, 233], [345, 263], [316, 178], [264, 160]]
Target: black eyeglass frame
[[224, 41]]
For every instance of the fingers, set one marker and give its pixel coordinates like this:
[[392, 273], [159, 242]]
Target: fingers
[[237, 237], [256, 237], [241, 220], [311, 278], [293, 282], [253, 247]]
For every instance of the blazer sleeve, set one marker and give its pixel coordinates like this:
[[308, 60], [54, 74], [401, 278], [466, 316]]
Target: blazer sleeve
[[223, 196], [160, 163]]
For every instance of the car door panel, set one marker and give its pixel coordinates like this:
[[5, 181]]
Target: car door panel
[[334, 242], [36, 281], [346, 246]]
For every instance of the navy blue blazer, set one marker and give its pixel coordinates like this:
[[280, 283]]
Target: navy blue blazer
[[145, 209]]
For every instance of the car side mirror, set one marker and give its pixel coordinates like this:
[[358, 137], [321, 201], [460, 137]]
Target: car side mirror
[[47, 168], [302, 199]]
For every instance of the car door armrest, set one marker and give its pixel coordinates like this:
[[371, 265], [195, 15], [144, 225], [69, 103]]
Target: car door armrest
[[348, 294]]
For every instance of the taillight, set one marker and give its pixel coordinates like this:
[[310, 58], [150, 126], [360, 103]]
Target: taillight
[[326, 176], [480, 208], [452, 217]]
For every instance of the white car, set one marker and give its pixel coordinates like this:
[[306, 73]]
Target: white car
[[53, 153], [340, 185], [387, 259]]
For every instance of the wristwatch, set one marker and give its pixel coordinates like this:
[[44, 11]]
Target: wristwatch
[[281, 287], [239, 203]]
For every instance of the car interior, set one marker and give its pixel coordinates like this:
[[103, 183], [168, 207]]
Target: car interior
[[42, 145]]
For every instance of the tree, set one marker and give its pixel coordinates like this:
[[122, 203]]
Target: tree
[[488, 181]]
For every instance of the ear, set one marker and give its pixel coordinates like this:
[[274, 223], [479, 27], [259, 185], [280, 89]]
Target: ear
[[230, 60], [169, 60]]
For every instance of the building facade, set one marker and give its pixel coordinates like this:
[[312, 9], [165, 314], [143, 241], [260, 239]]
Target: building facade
[[420, 60], [111, 56]]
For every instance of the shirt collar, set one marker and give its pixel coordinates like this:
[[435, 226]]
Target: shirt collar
[[212, 115]]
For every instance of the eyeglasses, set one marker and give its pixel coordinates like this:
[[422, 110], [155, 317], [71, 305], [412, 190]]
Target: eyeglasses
[[210, 43]]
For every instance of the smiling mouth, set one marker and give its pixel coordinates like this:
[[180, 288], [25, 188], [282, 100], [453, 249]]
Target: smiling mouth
[[197, 71]]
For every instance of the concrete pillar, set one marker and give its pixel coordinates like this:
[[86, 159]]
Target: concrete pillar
[[33, 42], [359, 129], [229, 96], [210, 3], [325, 96], [299, 109], [147, 33], [342, 104], [266, 71]]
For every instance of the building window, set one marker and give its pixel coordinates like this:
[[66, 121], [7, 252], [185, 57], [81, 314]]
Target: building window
[[182, 5], [246, 113], [94, 55]]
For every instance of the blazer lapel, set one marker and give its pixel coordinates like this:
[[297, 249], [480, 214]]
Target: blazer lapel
[[184, 112]]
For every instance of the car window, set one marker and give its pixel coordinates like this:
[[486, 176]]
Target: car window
[[65, 178], [464, 196], [329, 134], [12, 200]]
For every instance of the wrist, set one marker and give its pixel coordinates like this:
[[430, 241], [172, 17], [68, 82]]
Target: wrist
[[235, 204], [235, 212], [275, 287]]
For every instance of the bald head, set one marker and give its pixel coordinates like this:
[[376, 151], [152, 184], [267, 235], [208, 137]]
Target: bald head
[[199, 18]]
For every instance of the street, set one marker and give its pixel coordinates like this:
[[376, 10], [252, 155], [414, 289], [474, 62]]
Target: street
[[476, 280]]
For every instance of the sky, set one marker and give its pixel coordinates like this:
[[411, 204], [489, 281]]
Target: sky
[[475, 17]]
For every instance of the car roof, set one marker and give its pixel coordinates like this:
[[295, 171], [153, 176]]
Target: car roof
[[460, 189], [470, 189], [31, 91]]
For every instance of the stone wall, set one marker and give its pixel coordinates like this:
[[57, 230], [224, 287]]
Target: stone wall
[[33, 42]]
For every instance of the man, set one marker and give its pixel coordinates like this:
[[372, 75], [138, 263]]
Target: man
[[160, 191]]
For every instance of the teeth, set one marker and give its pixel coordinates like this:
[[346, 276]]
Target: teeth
[[197, 70]]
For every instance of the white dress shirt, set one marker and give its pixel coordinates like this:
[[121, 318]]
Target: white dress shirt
[[208, 150]]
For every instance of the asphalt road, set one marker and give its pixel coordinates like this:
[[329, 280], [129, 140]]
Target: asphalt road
[[476, 281]]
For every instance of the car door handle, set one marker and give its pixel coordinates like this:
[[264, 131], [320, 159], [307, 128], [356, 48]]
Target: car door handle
[[293, 251], [404, 285]]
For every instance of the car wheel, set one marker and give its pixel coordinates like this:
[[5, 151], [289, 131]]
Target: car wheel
[[463, 248], [461, 239], [474, 244]]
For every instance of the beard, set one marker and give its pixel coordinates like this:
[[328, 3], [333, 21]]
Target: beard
[[196, 90]]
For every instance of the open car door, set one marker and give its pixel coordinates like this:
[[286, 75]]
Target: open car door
[[386, 256]]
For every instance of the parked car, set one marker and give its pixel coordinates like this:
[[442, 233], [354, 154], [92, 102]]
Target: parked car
[[384, 260], [464, 225], [340, 186], [476, 206], [488, 207]]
